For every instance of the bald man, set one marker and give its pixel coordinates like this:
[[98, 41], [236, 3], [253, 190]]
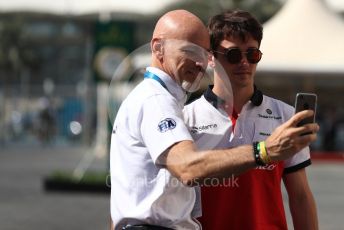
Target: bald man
[[155, 168]]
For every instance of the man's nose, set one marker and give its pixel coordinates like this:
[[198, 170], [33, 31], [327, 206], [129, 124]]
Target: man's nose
[[244, 60]]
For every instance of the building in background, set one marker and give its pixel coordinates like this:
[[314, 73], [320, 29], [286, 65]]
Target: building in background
[[303, 51]]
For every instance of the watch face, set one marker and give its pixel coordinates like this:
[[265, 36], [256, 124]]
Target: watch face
[[112, 63]]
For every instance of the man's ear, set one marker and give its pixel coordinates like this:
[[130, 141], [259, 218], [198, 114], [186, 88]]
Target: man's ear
[[157, 48]]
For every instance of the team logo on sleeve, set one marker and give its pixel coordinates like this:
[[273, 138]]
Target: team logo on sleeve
[[166, 124]]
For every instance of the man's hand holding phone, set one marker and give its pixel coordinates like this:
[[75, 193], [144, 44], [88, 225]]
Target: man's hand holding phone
[[306, 101], [295, 134]]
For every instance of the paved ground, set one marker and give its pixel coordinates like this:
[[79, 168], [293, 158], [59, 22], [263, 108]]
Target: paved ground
[[25, 205], [327, 183]]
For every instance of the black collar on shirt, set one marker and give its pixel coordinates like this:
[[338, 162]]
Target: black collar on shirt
[[212, 98]]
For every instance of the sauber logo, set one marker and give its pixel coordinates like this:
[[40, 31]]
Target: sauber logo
[[269, 115], [195, 129]]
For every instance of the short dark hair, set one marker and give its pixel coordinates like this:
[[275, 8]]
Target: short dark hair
[[233, 24]]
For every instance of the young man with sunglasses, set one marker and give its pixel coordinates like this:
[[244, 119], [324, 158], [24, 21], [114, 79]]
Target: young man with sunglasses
[[234, 112]]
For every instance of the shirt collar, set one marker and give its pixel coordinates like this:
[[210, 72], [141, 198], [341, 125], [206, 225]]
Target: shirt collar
[[173, 87], [212, 98], [218, 102]]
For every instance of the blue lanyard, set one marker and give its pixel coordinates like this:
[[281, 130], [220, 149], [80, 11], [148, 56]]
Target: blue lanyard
[[155, 77]]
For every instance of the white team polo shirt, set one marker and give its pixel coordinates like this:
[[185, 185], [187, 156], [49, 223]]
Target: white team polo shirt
[[211, 127], [148, 122]]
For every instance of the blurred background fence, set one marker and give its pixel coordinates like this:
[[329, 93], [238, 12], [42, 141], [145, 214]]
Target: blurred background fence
[[58, 119]]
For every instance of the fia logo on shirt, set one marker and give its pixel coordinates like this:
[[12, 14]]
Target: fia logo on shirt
[[166, 124]]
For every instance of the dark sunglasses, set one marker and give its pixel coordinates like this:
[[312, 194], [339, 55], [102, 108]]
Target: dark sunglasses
[[234, 55]]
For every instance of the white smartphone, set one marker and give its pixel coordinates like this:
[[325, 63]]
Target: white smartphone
[[305, 101]]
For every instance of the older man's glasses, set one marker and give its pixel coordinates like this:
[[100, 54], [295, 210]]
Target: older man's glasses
[[234, 55]]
